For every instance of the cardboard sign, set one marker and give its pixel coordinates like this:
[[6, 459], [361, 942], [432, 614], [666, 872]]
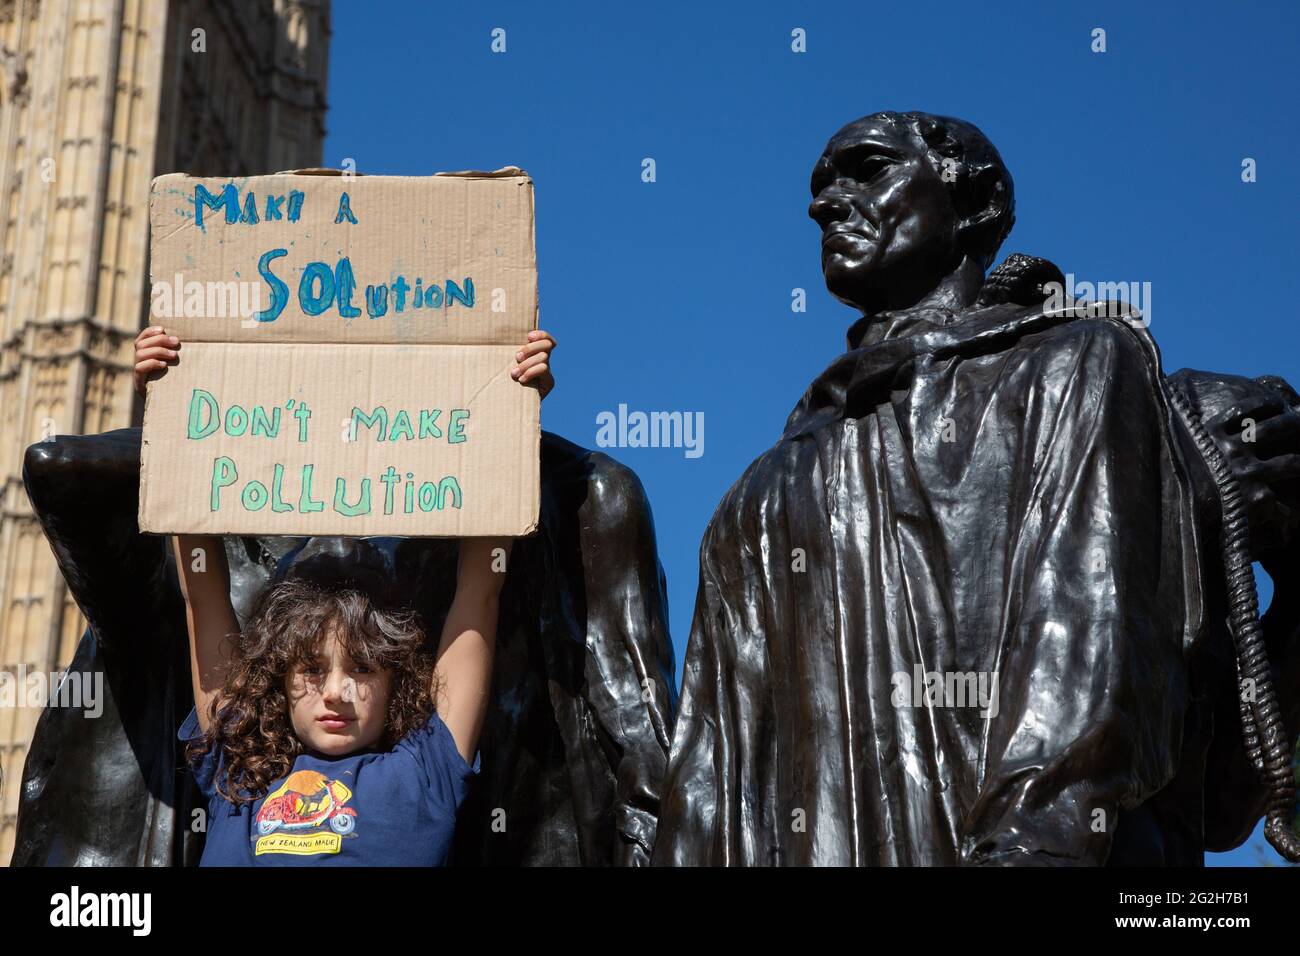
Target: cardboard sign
[[346, 353]]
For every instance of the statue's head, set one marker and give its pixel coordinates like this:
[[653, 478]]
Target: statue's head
[[902, 200]]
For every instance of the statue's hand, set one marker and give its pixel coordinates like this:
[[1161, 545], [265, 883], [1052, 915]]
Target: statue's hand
[[1256, 425]]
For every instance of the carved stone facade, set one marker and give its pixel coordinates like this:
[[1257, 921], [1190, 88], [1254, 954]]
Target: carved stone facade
[[96, 98]]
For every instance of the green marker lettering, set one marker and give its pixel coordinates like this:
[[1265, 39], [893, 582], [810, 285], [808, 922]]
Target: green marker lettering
[[428, 420], [254, 496], [277, 503], [223, 474], [402, 423], [448, 484], [199, 399], [456, 427], [305, 503], [362, 507], [389, 478], [270, 427], [380, 414]]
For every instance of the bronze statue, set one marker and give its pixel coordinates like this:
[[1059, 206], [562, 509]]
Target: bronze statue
[[971, 608], [575, 742]]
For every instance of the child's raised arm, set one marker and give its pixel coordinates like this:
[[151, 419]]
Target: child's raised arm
[[209, 616], [463, 674]]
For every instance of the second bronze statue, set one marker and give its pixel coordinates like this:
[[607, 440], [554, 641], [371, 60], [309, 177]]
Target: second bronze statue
[[983, 487]]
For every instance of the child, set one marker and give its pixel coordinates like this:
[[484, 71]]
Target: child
[[325, 733]]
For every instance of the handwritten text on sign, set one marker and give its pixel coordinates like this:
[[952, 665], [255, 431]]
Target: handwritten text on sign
[[205, 418], [320, 286], [361, 396]]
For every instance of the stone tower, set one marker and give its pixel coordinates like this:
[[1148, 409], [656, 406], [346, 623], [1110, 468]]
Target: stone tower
[[96, 98]]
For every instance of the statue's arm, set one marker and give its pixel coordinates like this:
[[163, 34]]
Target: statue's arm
[[629, 661], [84, 490], [1236, 797], [1091, 681], [1256, 427], [111, 788]]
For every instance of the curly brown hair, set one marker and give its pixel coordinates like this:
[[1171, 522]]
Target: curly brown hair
[[288, 625]]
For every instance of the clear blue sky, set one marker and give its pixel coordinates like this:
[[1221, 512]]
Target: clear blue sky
[[675, 295]]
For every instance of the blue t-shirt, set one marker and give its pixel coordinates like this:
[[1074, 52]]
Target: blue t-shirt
[[370, 808]]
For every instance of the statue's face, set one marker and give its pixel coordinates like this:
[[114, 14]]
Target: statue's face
[[889, 229]]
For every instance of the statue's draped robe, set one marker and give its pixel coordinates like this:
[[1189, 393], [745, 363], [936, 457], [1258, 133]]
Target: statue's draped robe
[[999, 492]]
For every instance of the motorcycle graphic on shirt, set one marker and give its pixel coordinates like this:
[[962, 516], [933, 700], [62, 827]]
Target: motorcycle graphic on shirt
[[306, 814]]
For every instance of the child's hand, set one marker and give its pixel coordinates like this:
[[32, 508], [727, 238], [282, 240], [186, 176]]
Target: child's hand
[[534, 360], [155, 350]]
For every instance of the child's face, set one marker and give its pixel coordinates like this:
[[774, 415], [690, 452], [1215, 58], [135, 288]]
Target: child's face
[[336, 705]]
